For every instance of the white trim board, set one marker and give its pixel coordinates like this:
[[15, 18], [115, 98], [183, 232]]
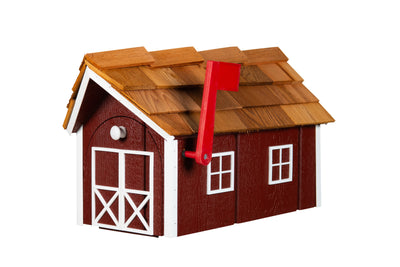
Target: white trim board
[[318, 163], [90, 74], [79, 176], [171, 188]]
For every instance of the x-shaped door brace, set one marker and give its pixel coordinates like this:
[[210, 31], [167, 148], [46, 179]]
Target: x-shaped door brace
[[136, 211], [106, 206]]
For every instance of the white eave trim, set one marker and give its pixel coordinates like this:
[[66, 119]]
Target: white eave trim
[[89, 74]]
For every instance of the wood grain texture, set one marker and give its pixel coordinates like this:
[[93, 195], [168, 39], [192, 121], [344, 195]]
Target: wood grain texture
[[227, 54], [290, 71], [225, 100], [275, 73], [115, 83], [198, 211], [262, 118], [264, 55], [163, 101], [191, 74], [307, 114], [163, 77], [178, 56], [70, 107], [175, 124], [253, 75], [131, 78], [299, 88], [253, 96], [255, 197], [307, 168], [267, 84], [120, 58]]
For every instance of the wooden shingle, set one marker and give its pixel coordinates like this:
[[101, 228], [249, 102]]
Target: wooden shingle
[[275, 73], [254, 96], [264, 55], [131, 78], [174, 57], [253, 75], [307, 114], [163, 77], [120, 58], [163, 101], [191, 74], [227, 54]]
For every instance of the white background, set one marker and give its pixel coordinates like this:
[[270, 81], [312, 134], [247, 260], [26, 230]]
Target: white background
[[348, 54]]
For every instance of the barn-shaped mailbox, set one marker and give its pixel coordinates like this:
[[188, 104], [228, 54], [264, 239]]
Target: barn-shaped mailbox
[[135, 113]]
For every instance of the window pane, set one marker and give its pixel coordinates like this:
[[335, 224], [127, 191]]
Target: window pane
[[214, 182], [275, 156], [285, 155], [226, 180], [226, 163], [215, 164], [285, 171], [275, 173]]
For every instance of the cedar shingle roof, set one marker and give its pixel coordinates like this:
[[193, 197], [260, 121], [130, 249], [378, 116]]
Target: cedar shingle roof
[[167, 86]]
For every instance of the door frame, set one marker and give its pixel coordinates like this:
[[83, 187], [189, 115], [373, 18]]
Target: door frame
[[121, 193]]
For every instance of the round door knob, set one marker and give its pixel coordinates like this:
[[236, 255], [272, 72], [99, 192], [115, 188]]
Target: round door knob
[[118, 132]]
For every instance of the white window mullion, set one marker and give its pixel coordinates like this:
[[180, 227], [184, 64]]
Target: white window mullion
[[220, 172]]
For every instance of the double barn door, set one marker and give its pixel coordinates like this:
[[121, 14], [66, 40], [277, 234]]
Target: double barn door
[[122, 189]]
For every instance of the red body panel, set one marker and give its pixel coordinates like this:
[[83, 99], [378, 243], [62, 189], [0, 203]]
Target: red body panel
[[307, 174], [198, 211], [255, 197]]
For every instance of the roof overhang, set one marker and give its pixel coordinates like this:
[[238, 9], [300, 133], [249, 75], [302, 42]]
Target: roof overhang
[[73, 124]]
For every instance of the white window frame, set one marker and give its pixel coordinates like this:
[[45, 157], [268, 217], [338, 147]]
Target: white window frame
[[280, 164], [231, 171]]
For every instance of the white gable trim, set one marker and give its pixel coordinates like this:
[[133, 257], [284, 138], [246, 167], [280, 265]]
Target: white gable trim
[[89, 74]]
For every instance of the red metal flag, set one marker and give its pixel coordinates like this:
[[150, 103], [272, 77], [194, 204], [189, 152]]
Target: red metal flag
[[219, 76]]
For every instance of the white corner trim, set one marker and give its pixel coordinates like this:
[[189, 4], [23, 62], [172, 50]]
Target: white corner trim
[[89, 74], [79, 176], [318, 163], [171, 188]]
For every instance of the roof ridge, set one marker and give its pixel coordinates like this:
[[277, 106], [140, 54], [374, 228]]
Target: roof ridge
[[121, 58], [176, 57]]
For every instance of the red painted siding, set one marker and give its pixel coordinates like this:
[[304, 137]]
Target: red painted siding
[[96, 132], [255, 197], [198, 211], [307, 175]]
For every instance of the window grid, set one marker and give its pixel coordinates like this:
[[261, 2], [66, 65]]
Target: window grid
[[220, 172], [280, 164]]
